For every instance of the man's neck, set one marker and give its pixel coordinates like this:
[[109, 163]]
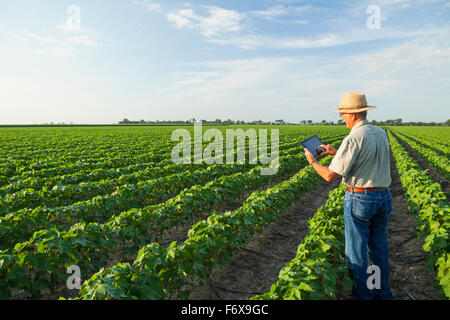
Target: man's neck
[[356, 122]]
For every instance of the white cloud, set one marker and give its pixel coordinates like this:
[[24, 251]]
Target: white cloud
[[249, 42], [307, 87], [358, 10], [67, 28], [58, 52], [281, 10], [428, 57], [25, 35], [300, 21], [391, 2], [81, 40], [182, 18], [68, 38], [67, 45], [218, 21], [229, 27], [270, 13], [149, 6]]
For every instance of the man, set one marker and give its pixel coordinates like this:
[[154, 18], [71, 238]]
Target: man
[[363, 160]]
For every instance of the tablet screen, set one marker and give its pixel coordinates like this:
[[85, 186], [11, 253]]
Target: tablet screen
[[312, 144]]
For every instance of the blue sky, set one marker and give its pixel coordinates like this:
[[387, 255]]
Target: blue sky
[[97, 61]]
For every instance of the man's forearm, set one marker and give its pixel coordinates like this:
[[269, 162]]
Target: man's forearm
[[325, 172]]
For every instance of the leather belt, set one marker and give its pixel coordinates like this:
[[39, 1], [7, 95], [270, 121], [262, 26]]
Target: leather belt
[[365, 189]]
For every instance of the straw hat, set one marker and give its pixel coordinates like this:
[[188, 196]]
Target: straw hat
[[353, 102]]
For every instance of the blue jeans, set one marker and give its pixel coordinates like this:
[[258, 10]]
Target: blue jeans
[[366, 215]]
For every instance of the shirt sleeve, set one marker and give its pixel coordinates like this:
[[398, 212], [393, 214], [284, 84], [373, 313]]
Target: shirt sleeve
[[345, 157]]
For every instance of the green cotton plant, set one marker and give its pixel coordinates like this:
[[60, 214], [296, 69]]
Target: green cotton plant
[[60, 194], [211, 243], [20, 225], [319, 266], [439, 162], [438, 145], [431, 211], [93, 241], [75, 236], [16, 227], [69, 168], [443, 276]]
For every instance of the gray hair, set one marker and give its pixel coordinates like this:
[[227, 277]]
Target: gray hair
[[362, 115]]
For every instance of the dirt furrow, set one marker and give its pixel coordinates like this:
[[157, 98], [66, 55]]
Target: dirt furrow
[[432, 172], [258, 264]]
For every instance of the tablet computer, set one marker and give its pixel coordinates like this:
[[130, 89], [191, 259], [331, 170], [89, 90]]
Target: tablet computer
[[312, 144]]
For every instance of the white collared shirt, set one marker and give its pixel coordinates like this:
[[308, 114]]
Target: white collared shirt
[[363, 159]]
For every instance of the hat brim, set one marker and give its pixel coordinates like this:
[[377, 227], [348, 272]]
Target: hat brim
[[354, 110]]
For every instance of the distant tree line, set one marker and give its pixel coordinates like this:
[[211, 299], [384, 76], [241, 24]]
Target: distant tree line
[[393, 122], [213, 122], [399, 122]]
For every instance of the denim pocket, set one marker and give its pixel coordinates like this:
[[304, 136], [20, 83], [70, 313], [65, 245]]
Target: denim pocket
[[364, 209]]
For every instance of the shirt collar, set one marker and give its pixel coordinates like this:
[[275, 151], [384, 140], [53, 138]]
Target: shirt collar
[[359, 124]]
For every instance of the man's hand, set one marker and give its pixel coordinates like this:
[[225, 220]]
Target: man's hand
[[324, 172], [328, 149], [309, 156]]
